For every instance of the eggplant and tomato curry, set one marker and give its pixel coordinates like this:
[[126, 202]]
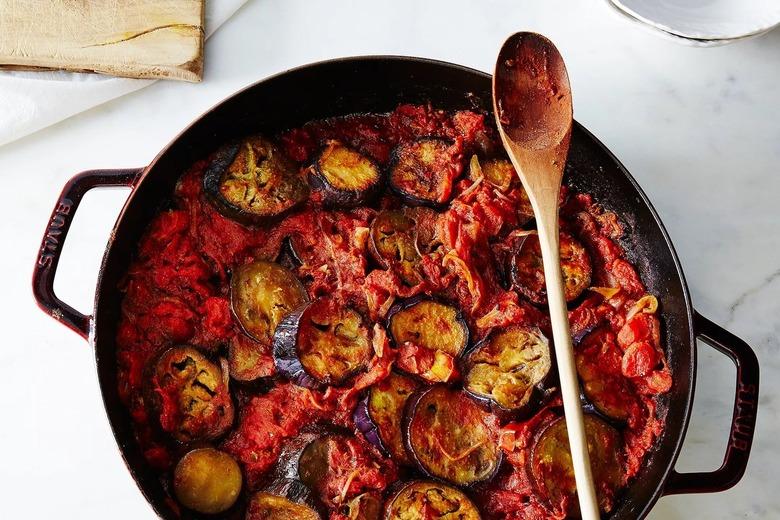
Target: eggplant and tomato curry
[[348, 321]]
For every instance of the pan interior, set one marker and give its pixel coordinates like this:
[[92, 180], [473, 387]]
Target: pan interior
[[378, 84]]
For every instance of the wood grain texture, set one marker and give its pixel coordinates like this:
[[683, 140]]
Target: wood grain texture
[[133, 38], [533, 110]]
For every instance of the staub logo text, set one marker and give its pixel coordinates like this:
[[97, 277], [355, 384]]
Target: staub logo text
[[53, 232], [745, 416]]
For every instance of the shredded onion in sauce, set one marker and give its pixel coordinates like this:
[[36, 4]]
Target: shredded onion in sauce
[[647, 304], [452, 258], [345, 488], [606, 292], [465, 453]]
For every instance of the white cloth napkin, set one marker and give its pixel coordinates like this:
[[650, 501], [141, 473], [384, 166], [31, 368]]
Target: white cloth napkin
[[30, 101]]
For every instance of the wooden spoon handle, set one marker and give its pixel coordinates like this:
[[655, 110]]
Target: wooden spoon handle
[[564, 353]]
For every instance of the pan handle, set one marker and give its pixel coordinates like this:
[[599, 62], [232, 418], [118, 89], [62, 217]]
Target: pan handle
[[54, 239], [743, 421]]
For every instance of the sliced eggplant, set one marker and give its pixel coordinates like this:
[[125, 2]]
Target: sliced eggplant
[[261, 294], [506, 371], [322, 343], [425, 223], [189, 395], [313, 464], [499, 173], [292, 489], [344, 177], [429, 324], [207, 481], [367, 506], [284, 476], [423, 171], [393, 245], [552, 471], [267, 506], [333, 465], [422, 499], [248, 359], [380, 415], [598, 358], [253, 181], [527, 270], [448, 436]]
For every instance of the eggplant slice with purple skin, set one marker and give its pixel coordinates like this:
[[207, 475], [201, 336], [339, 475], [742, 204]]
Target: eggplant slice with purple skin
[[379, 416], [552, 472], [367, 506], [284, 478], [249, 360], [527, 270], [392, 241], [343, 177], [507, 370], [189, 395], [321, 460], [261, 294], [447, 435], [430, 324], [423, 172], [285, 471], [598, 358], [426, 499], [500, 174], [322, 343], [253, 181]]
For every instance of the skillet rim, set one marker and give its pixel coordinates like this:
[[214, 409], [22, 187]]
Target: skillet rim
[[123, 442]]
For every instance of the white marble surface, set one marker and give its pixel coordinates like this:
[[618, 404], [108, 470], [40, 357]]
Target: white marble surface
[[699, 129]]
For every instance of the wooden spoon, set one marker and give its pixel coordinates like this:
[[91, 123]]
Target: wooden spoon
[[532, 104]]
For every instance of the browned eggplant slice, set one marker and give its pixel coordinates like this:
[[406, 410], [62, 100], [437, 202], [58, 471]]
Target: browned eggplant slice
[[248, 359], [380, 415], [422, 499], [507, 370], [392, 243], [423, 171], [261, 294], [344, 177], [448, 436], [313, 464], [527, 270], [598, 359], [322, 343], [189, 394], [284, 477], [499, 173], [430, 336], [331, 465], [430, 324], [553, 474], [266, 506], [253, 180], [207, 480], [425, 223]]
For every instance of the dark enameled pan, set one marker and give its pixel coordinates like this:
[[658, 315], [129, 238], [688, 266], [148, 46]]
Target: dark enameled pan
[[378, 84]]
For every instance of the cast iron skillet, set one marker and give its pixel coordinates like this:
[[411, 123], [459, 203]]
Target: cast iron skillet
[[378, 84]]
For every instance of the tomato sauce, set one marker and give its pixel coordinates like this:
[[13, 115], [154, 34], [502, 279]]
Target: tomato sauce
[[177, 292]]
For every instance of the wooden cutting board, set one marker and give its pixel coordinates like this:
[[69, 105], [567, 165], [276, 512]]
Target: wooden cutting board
[[133, 38]]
